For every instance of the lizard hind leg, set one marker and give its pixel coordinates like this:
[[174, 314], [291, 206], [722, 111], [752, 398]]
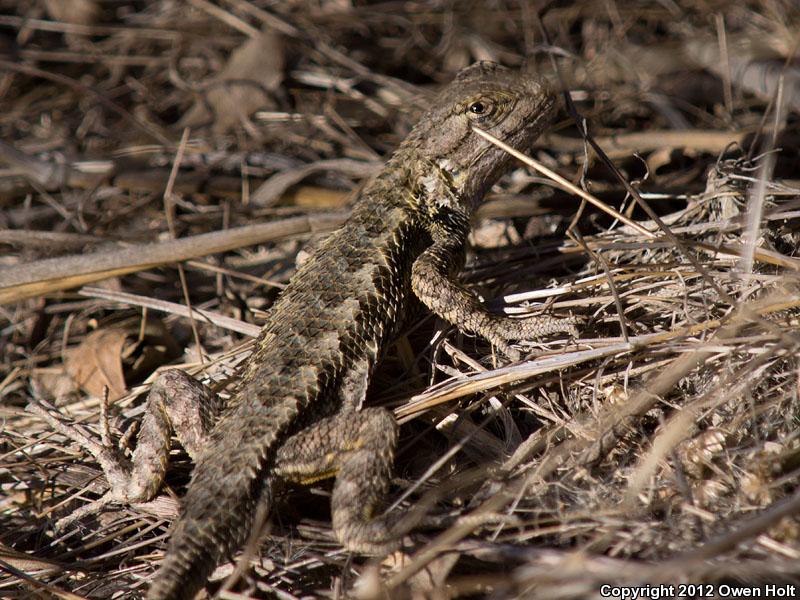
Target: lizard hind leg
[[176, 402], [357, 447]]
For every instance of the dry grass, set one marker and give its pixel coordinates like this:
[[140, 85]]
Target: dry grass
[[663, 446]]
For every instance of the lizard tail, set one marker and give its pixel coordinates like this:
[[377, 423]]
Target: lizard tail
[[223, 496]]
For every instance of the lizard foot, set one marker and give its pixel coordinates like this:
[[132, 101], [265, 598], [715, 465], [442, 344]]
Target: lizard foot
[[78, 434], [176, 402], [502, 330]]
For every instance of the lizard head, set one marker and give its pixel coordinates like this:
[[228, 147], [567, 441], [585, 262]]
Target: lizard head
[[460, 165]]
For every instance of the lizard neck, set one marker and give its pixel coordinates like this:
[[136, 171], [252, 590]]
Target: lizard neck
[[428, 188]]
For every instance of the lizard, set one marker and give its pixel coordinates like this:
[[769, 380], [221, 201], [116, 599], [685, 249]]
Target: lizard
[[296, 414]]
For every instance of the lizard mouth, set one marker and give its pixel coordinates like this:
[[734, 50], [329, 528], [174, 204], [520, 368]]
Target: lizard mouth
[[532, 129]]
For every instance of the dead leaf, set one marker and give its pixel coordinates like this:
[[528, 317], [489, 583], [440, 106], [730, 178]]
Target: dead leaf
[[242, 87], [97, 363], [77, 12], [53, 382]]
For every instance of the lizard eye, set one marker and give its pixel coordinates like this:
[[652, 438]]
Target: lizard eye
[[480, 108], [477, 108]]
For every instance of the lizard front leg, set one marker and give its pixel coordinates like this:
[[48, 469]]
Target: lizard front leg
[[432, 280], [176, 402]]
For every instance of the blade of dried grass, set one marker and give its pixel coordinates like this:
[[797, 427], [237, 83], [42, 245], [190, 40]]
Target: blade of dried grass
[[207, 316], [48, 275], [622, 145], [35, 584], [481, 382], [226, 17], [563, 183]]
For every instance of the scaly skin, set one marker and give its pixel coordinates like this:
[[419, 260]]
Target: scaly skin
[[296, 414]]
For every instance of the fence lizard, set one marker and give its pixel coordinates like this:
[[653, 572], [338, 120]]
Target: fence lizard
[[296, 413]]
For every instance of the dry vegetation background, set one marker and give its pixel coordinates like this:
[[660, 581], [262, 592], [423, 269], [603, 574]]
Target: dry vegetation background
[[662, 446]]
